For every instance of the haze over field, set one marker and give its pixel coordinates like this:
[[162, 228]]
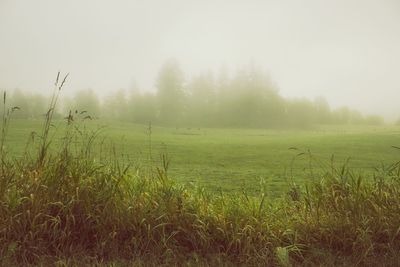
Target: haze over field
[[346, 51], [199, 133]]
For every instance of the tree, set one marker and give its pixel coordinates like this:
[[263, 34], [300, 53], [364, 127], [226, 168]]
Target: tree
[[142, 107], [170, 94], [300, 113], [251, 101], [323, 111], [201, 100], [374, 120], [116, 106], [342, 115], [86, 100], [38, 105], [20, 100]]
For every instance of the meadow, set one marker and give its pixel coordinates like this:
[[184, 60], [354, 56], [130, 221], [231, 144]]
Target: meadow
[[103, 193], [234, 159]]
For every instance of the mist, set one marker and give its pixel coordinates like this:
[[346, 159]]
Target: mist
[[199, 133], [248, 99], [343, 51]]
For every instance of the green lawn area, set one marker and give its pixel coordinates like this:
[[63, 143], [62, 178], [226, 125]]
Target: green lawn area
[[230, 159]]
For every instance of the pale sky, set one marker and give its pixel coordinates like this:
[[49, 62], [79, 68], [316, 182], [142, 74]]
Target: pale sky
[[347, 51]]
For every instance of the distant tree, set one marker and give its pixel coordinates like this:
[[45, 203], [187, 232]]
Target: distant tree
[[170, 94], [269, 105], [374, 120], [251, 101], [222, 97], [323, 111], [201, 100], [20, 100], [66, 104], [246, 99], [300, 113], [355, 117], [38, 105], [116, 106], [341, 115], [86, 100], [142, 107]]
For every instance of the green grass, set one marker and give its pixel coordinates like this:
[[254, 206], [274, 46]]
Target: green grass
[[80, 204], [70, 198], [232, 159]]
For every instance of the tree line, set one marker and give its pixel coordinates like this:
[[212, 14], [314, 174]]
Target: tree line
[[247, 99]]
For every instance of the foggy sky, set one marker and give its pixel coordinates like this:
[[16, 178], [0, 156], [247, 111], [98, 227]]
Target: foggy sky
[[347, 51]]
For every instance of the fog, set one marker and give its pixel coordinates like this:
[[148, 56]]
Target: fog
[[346, 51]]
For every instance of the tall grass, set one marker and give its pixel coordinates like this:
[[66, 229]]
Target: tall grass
[[67, 206]]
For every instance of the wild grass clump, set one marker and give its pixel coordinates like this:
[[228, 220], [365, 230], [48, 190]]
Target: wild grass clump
[[66, 206], [346, 215]]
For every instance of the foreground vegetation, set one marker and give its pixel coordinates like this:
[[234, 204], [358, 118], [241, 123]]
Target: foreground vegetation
[[64, 204]]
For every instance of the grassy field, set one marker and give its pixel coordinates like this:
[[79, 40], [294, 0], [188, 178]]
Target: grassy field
[[230, 159], [74, 205]]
